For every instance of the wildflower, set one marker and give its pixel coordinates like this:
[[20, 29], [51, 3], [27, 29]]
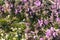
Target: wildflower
[[16, 11], [57, 19], [40, 22], [53, 7], [41, 38], [48, 33], [52, 29], [37, 3], [54, 34], [11, 5], [1, 9], [46, 21]]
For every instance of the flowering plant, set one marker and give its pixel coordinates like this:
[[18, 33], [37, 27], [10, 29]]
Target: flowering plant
[[30, 20]]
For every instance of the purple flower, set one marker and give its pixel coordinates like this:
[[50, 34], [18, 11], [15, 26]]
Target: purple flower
[[16, 11], [2, 9], [52, 29], [56, 14], [41, 38], [53, 7], [57, 3], [37, 3], [11, 5], [57, 19], [40, 22], [46, 21], [48, 33], [54, 34]]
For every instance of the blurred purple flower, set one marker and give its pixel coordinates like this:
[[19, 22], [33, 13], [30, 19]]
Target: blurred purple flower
[[40, 22], [56, 14], [52, 29], [58, 20], [46, 21], [53, 7], [57, 3], [37, 3], [16, 11], [41, 38], [1, 9], [11, 5], [19, 6], [48, 33], [54, 34]]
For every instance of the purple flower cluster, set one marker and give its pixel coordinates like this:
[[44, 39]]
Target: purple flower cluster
[[39, 16], [51, 34], [18, 7]]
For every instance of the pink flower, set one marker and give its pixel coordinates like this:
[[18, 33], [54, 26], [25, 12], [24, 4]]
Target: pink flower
[[58, 3], [37, 3], [52, 29], [40, 22], [46, 21], [11, 5], [53, 7], [48, 33], [41, 38], [57, 19], [54, 34], [16, 11]]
